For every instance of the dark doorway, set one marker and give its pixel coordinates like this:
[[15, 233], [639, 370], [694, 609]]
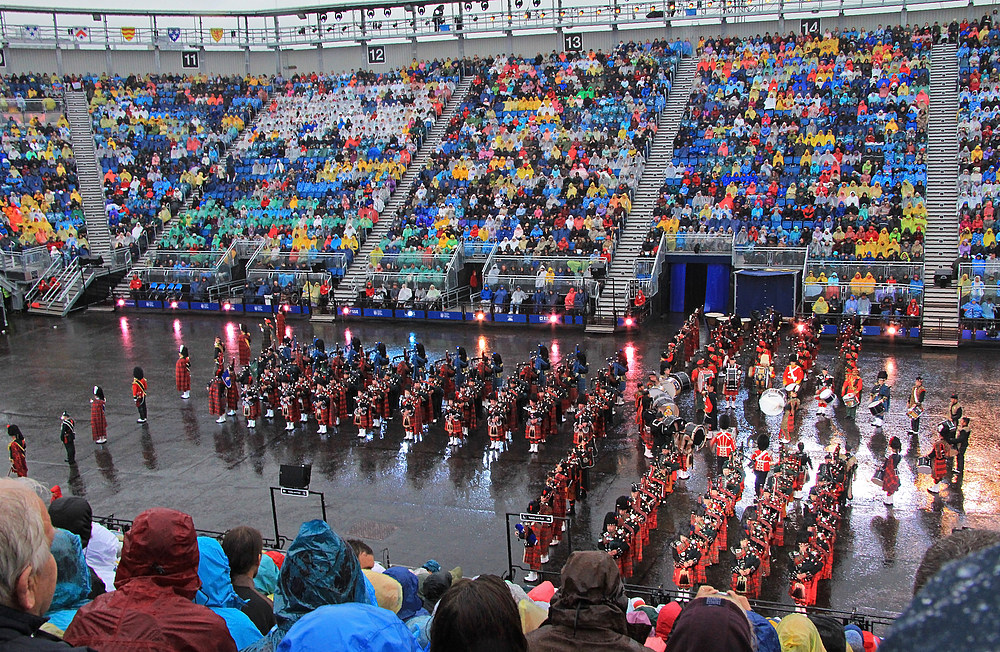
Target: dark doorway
[[695, 284]]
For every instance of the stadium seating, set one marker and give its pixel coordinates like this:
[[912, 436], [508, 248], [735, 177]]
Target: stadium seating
[[817, 142], [39, 199], [159, 137]]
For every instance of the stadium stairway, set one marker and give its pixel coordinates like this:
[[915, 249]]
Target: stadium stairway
[[613, 300], [88, 171], [357, 274], [940, 327]]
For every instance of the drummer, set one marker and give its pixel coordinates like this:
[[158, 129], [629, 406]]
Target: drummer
[[824, 394], [850, 392], [880, 399], [915, 404], [794, 375]]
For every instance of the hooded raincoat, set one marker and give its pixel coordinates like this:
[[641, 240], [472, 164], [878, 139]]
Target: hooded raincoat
[[153, 607], [588, 613], [73, 585], [217, 592], [350, 626], [319, 569]]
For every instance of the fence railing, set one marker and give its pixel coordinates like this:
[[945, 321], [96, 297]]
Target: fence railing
[[747, 256], [697, 242], [28, 264]]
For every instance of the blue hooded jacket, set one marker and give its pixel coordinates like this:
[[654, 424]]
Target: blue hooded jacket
[[73, 586], [349, 627], [412, 613], [217, 592], [319, 569]]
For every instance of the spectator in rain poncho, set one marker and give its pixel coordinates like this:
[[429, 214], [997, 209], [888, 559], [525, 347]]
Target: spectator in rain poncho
[[319, 569], [217, 592], [348, 627], [73, 585], [412, 613]]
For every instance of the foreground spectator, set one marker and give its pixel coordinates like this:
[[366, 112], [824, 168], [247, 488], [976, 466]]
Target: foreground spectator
[[478, 615], [217, 592], [153, 608], [588, 613], [956, 545], [27, 570], [799, 634], [244, 548], [714, 622], [351, 627], [73, 585], [74, 514], [319, 569]]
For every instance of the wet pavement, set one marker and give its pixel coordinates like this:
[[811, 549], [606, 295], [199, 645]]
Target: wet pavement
[[422, 501]]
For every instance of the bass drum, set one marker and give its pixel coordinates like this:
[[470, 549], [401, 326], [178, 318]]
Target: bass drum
[[666, 407], [696, 433], [772, 402], [664, 429], [676, 383]]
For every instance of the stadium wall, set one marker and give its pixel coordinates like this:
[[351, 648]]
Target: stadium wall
[[136, 60]]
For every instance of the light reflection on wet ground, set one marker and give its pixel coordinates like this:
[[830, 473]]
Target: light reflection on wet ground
[[449, 505]]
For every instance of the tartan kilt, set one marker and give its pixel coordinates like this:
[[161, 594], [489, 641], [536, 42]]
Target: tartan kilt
[[753, 584], [647, 437], [363, 419], [321, 409], [305, 404], [290, 409], [251, 407], [98, 420], [233, 396], [939, 468], [532, 557], [216, 398], [182, 376], [244, 350]]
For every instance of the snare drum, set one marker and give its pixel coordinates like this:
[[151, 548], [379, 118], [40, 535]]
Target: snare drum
[[876, 407], [879, 477], [924, 465], [850, 400], [915, 411], [792, 387], [826, 395], [732, 382]]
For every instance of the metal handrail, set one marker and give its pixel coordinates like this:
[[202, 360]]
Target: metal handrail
[[56, 265]]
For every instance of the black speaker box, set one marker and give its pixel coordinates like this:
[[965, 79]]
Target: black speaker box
[[295, 476]]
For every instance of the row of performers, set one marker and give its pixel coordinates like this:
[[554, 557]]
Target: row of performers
[[684, 346], [302, 381], [764, 531], [569, 481], [670, 442]]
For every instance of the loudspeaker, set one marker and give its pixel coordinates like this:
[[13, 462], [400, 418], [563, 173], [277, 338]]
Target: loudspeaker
[[295, 476], [942, 277]]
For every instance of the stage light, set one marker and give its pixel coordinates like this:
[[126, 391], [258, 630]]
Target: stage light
[[409, 313], [285, 308], [518, 3], [485, 5], [421, 10], [227, 306], [891, 330], [173, 304], [387, 13], [553, 319], [480, 316], [468, 6], [371, 13], [629, 321], [121, 303], [801, 328], [345, 311]]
